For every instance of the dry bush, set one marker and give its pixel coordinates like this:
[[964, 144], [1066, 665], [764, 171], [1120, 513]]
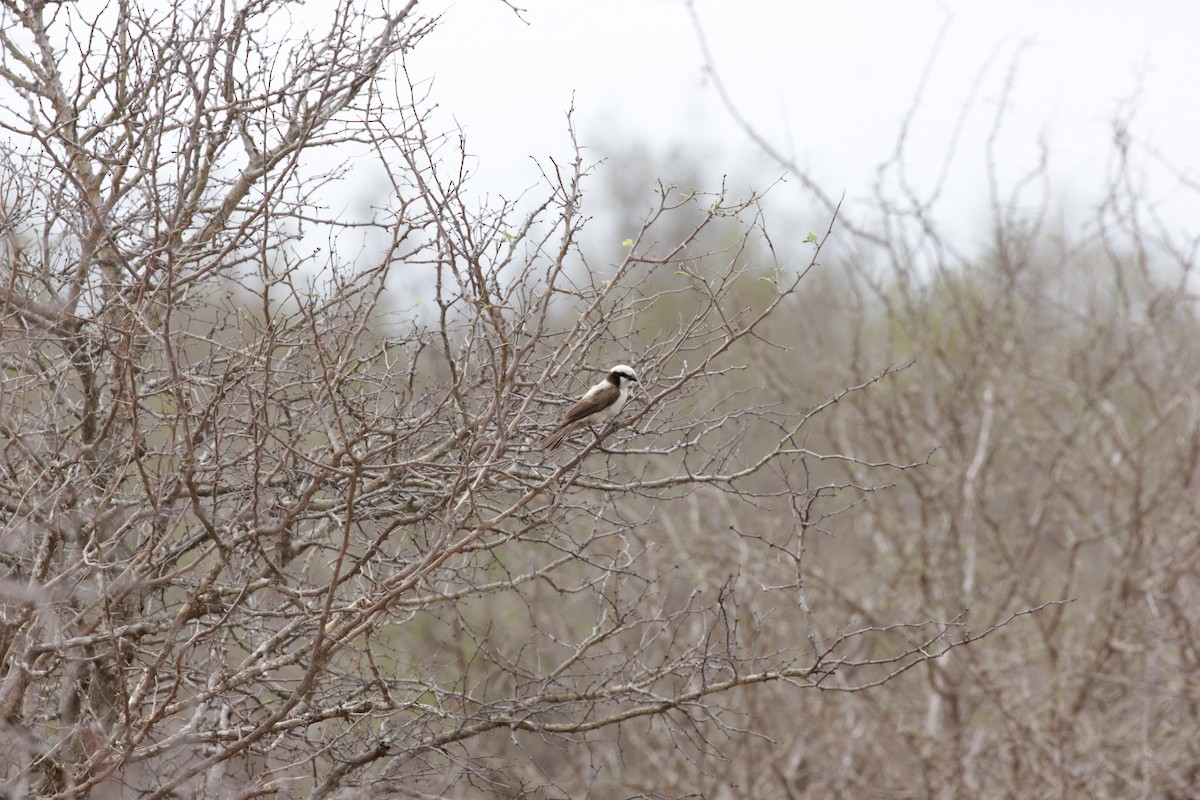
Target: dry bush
[[271, 519], [1054, 378]]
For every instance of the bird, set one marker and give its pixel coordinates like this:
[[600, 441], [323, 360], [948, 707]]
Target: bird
[[600, 404]]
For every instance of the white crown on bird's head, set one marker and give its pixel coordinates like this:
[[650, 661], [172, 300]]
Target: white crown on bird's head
[[625, 371]]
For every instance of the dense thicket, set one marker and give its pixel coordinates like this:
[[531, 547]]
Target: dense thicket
[[882, 520]]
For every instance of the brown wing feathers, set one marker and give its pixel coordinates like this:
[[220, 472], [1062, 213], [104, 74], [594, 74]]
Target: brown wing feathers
[[592, 402], [597, 399]]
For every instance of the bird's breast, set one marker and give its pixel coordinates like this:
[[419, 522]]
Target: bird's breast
[[610, 412]]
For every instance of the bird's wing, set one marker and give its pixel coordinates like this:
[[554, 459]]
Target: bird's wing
[[598, 398]]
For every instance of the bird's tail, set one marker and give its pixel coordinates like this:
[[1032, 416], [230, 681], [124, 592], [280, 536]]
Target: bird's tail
[[556, 437]]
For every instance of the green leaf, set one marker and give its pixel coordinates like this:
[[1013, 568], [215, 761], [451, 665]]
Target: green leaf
[[627, 243], [811, 238]]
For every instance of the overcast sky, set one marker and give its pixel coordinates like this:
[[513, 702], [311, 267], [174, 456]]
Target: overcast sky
[[829, 82]]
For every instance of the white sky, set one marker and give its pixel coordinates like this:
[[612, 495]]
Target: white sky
[[829, 82]]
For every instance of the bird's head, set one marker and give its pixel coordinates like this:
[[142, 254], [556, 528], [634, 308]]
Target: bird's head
[[622, 372]]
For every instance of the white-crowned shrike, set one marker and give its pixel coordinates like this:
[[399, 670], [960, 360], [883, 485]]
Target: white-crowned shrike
[[600, 404]]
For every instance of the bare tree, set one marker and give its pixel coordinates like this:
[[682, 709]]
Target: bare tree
[[272, 523], [1055, 372]]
